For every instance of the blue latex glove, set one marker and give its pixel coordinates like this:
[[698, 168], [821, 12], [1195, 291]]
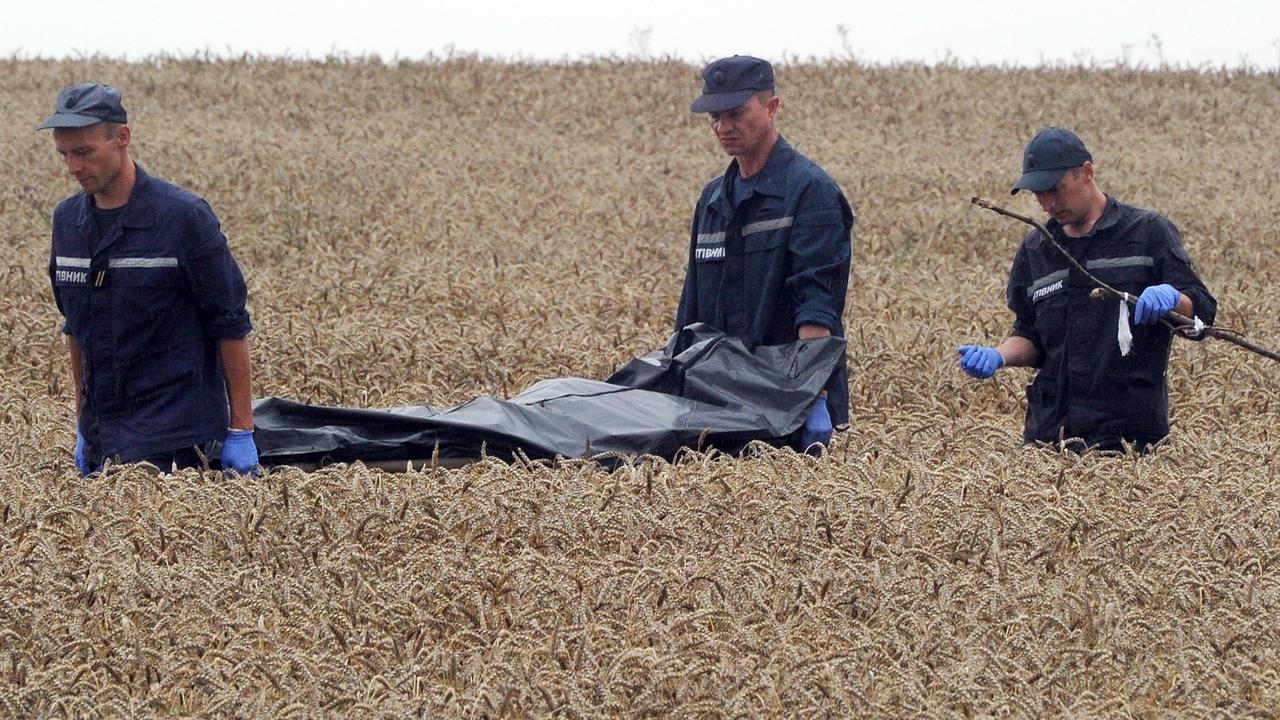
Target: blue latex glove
[[817, 426], [82, 460], [239, 453], [980, 361], [1154, 303]]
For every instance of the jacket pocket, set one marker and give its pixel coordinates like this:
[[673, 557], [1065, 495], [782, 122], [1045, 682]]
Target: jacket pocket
[[155, 375], [150, 311], [1037, 425], [764, 240], [1146, 402], [1132, 279], [162, 391]]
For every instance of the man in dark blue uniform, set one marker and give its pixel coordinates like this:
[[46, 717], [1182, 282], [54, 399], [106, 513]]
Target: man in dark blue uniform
[[770, 246], [1101, 381], [154, 303]]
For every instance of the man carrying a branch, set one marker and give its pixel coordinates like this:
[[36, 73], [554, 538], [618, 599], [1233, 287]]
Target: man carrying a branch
[[1101, 378]]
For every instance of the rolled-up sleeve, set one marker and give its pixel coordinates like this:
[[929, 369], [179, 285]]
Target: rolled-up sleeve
[[820, 247], [214, 277]]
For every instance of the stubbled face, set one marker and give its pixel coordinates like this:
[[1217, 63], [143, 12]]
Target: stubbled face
[[1070, 201], [94, 155], [746, 129]]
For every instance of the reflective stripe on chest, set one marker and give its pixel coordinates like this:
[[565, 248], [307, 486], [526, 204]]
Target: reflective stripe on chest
[[1119, 262], [767, 225], [71, 270], [143, 262], [1047, 285], [711, 246], [75, 270]]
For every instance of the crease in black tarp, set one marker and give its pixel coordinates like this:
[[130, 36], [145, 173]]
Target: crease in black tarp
[[702, 387]]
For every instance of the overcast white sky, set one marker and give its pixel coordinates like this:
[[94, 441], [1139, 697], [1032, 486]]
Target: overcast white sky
[[1227, 32]]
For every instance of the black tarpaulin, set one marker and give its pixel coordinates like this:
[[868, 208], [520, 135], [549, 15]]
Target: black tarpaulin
[[702, 389]]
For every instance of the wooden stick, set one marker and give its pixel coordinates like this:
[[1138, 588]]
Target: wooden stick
[[1179, 324]]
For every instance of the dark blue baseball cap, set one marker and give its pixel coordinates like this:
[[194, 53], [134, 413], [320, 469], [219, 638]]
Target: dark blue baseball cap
[[728, 82], [1049, 155], [85, 104]]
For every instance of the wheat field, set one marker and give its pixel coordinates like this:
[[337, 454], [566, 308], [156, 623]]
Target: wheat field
[[424, 233]]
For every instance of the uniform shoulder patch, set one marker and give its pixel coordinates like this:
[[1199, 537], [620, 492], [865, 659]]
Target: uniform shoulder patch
[[1180, 251], [1173, 236]]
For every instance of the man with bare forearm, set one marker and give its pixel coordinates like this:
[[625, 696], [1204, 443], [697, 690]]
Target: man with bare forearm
[[153, 301], [771, 241]]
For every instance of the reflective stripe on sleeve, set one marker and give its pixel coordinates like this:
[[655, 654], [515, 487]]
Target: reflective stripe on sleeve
[[710, 238], [151, 262], [767, 225], [75, 262]]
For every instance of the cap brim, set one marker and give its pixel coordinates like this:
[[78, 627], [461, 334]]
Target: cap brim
[[68, 120], [719, 102], [1038, 180]]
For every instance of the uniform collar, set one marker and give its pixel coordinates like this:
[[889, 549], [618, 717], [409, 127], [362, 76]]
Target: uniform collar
[[771, 180], [138, 211], [1109, 217]]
